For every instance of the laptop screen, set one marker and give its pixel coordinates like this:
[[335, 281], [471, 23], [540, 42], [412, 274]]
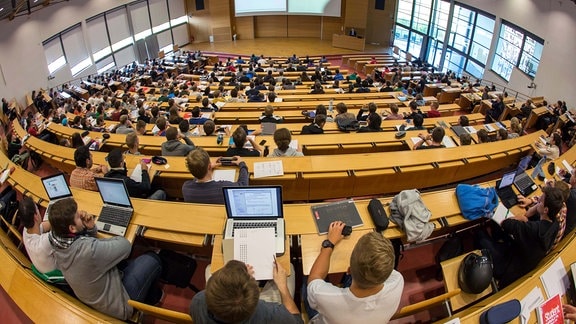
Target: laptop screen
[[113, 192], [253, 202], [524, 162], [507, 179], [56, 186]]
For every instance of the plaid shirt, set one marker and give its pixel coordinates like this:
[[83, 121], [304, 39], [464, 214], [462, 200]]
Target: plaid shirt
[[83, 178]]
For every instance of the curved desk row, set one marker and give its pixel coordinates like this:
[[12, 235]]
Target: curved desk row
[[351, 175]]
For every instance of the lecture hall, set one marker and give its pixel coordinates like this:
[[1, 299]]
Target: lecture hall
[[384, 145]]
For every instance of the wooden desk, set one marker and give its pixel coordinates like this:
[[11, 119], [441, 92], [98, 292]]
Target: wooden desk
[[534, 115], [349, 42]]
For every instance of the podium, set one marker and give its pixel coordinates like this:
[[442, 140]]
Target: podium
[[348, 42]]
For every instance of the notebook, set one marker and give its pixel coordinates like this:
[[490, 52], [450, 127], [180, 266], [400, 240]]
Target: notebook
[[344, 211], [56, 188], [505, 191], [117, 208], [255, 207]]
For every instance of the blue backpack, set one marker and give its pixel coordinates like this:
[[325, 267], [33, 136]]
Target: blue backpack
[[476, 201]]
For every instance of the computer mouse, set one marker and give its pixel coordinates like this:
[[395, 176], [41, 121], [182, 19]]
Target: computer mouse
[[347, 230]]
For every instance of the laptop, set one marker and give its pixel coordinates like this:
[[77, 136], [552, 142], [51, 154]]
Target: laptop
[[522, 181], [505, 191], [57, 188], [255, 207], [117, 208]]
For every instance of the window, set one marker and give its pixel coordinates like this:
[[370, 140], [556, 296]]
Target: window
[[140, 20], [120, 35], [531, 53], [421, 15], [76, 53], [98, 38], [160, 19], [177, 13], [54, 54], [401, 37], [415, 44], [404, 15]]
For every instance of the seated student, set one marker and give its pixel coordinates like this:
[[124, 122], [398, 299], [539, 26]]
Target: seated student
[[465, 139], [124, 126], [434, 112], [282, 138], [83, 175], [463, 121], [387, 88], [515, 128], [196, 118], [343, 115], [232, 296], [141, 189], [483, 136], [173, 146], [173, 116], [374, 123], [207, 106], [414, 110], [316, 127], [184, 129], [418, 121], [141, 128], [203, 189], [376, 289], [364, 87], [160, 128], [432, 141], [133, 143], [394, 115], [518, 245], [495, 110], [239, 137], [93, 268], [501, 134], [269, 117], [35, 237], [371, 108]]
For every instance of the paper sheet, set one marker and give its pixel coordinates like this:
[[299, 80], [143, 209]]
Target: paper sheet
[[555, 279], [529, 303], [136, 174], [501, 214], [448, 142], [268, 169], [470, 129], [4, 176], [489, 128], [256, 247], [294, 144], [224, 175], [567, 166]]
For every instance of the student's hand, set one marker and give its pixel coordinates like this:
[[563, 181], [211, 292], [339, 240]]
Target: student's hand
[[87, 220], [250, 270], [335, 232], [569, 312], [523, 201], [143, 165], [279, 275], [237, 160]]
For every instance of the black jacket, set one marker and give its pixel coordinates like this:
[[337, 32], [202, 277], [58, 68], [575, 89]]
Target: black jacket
[[135, 189]]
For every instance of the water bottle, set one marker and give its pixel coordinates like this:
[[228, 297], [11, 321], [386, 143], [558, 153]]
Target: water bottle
[[220, 139], [331, 105]]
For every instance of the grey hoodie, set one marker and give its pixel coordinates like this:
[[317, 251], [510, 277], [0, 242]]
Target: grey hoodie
[[177, 148]]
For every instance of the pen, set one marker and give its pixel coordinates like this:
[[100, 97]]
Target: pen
[[507, 212]]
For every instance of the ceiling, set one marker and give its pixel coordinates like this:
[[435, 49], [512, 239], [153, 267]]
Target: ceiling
[[14, 8]]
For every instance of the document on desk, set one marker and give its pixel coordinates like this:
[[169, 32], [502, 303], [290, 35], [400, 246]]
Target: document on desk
[[224, 175], [136, 174], [256, 247], [501, 214], [529, 303], [555, 279], [268, 169], [489, 128], [470, 129], [567, 166], [294, 144]]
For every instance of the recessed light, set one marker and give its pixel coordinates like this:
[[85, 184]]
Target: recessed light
[[1, 9]]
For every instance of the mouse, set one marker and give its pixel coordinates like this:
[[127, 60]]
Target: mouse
[[346, 230]]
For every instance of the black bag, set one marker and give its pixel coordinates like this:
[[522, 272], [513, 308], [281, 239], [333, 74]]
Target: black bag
[[378, 214], [449, 249], [8, 204], [177, 269], [348, 125]]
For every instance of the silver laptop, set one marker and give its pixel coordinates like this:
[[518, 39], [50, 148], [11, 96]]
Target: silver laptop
[[116, 208], [255, 207], [57, 188]]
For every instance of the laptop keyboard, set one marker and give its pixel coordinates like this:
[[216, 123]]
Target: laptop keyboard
[[241, 225], [524, 182], [115, 216]]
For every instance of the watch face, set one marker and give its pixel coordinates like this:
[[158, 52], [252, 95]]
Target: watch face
[[327, 244]]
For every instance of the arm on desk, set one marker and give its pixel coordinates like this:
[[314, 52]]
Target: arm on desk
[[322, 264]]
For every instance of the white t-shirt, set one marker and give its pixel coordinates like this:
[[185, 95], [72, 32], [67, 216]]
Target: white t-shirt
[[339, 305], [40, 251]]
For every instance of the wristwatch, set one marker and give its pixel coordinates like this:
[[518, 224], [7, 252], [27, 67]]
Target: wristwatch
[[327, 244]]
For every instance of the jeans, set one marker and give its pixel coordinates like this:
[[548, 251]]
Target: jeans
[[158, 195], [140, 274]]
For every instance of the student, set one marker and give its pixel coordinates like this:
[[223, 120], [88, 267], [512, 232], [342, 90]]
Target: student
[[376, 289], [83, 175], [204, 189], [173, 146], [282, 138], [35, 237], [316, 127], [374, 123], [432, 141], [239, 137]]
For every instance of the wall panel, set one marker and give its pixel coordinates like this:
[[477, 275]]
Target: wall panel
[[330, 26], [304, 26], [271, 26], [244, 27], [380, 23], [355, 14]]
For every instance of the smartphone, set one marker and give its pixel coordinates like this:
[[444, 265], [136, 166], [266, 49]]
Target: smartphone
[[262, 142]]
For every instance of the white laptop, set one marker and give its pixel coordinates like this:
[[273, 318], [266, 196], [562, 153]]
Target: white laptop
[[116, 208], [57, 188], [255, 207]]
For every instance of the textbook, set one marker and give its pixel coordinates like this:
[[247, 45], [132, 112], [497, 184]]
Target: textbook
[[550, 312], [344, 211]]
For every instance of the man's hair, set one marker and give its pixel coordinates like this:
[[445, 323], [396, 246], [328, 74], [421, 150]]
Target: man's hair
[[394, 108], [26, 211], [269, 111], [483, 136], [341, 108], [123, 119], [374, 121], [465, 139], [196, 111], [140, 125], [438, 134], [131, 139], [320, 120], [282, 139], [372, 260], [171, 133], [239, 137], [61, 216], [564, 187], [232, 293], [81, 154], [418, 120], [463, 120], [197, 162], [553, 200], [434, 105], [503, 134], [321, 110], [154, 111], [209, 127], [372, 107], [184, 126], [161, 123]]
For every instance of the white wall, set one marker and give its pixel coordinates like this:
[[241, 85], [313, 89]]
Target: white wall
[[555, 22], [22, 58]]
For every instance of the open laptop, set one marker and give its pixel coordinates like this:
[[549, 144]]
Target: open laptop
[[116, 208], [522, 181], [255, 207], [56, 188], [505, 191]]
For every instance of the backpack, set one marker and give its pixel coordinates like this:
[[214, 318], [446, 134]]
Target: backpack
[[407, 210], [475, 201], [348, 125]]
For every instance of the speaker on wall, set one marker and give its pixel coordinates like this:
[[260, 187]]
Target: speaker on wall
[[380, 4], [199, 5]]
